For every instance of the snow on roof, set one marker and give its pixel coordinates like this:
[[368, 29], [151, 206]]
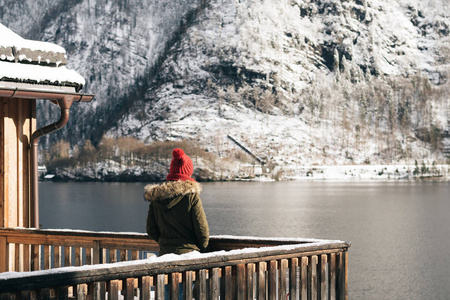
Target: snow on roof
[[8, 38], [23, 60], [38, 74]]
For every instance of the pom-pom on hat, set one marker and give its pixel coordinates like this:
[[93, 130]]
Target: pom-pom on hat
[[181, 167]]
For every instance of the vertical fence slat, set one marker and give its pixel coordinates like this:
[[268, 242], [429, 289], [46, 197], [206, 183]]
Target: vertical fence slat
[[113, 288], [57, 256], [303, 279], [103, 256], [17, 257], [62, 292], [312, 277], [272, 279], [227, 278], [47, 257], [97, 253], [36, 257], [342, 283], [293, 270], [134, 255], [332, 276], [174, 285], [187, 287], [78, 256], [3, 254], [145, 288], [26, 258], [261, 281], [251, 281], [202, 286], [322, 277], [112, 255], [88, 256], [282, 279], [67, 257], [159, 286], [81, 291], [214, 284], [128, 289], [241, 285]]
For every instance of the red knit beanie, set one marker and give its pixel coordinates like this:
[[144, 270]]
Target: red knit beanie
[[181, 167]]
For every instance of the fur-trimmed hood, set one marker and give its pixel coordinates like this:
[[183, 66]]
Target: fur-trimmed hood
[[165, 192]]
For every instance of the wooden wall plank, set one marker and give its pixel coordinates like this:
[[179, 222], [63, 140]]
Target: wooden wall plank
[[10, 170], [20, 167], [29, 125], [3, 104]]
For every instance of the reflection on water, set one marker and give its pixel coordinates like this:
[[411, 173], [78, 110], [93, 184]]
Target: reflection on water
[[399, 230]]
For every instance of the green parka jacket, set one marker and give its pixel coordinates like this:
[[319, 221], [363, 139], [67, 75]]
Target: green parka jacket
[[176, 219]]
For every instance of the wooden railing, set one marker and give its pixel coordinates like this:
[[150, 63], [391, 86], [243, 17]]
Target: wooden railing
[[235, 267]]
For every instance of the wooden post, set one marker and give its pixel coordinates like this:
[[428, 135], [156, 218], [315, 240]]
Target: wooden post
[[17, 122]]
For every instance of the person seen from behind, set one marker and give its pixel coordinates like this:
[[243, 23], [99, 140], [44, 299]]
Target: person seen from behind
[[176, 219]]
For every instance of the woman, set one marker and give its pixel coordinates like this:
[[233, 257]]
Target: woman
[[176, 219]]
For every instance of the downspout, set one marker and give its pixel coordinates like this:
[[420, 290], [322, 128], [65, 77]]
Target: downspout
[[64, 104]]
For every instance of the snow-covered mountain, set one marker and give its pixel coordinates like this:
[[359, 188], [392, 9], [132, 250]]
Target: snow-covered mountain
[[298, 81]]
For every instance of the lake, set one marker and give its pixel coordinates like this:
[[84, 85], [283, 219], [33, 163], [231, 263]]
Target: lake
[[399, 231]]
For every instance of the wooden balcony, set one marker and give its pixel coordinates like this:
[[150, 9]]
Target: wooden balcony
[[66, 264]]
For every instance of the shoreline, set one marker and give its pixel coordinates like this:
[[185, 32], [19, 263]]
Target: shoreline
[[397, 172]]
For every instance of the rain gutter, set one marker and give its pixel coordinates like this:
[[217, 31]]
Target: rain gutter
[[64, 101]]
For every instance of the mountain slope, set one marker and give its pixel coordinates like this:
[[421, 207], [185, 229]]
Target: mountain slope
[[299, 82]]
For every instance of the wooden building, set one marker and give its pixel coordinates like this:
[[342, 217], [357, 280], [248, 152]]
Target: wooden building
[[29, 70]]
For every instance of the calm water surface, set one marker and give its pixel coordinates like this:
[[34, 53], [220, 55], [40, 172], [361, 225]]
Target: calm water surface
[[400, 231]]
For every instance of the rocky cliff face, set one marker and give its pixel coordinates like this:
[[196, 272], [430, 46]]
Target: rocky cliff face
[[298, 81]]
